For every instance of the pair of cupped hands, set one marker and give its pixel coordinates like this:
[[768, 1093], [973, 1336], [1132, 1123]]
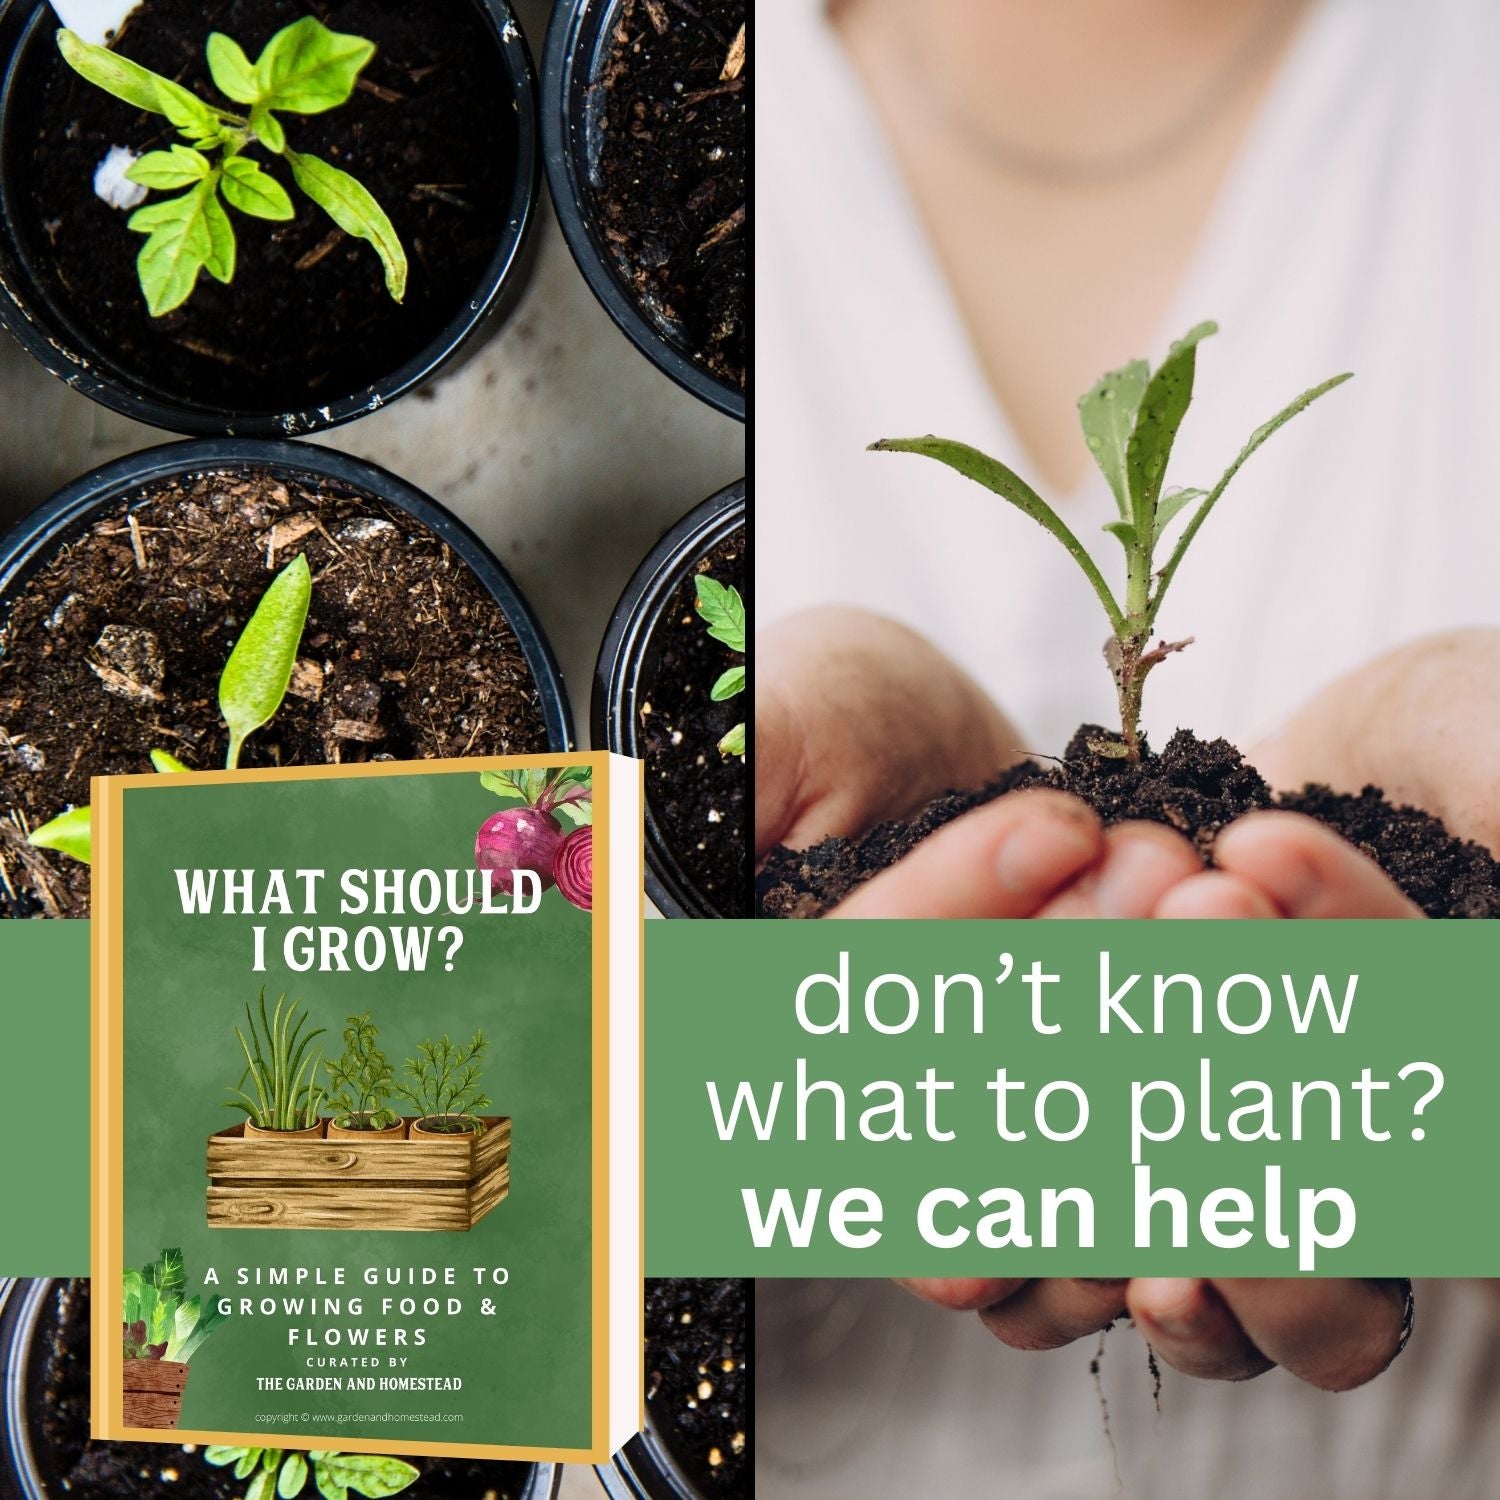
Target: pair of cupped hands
[[858, 719]]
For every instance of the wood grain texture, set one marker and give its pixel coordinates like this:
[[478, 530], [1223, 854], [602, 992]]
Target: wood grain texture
[[166, 1376], [151, 1409], [444, 1184]]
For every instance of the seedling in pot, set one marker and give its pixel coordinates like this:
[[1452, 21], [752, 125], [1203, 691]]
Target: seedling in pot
[[528, 836], [362, 1080], [1130, 420], [305, 69], [161, 1321], [724, 611], [273, 1472], [444, 1086], [281, 1066], [251, 690]]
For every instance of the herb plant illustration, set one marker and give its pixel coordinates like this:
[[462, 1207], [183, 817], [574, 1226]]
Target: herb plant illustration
[[161, 1321], [1130, 421], [280, 1066], [273, 1472], [442, 1083], [251, 690], [305, 69], [362, 1079], [724, 611]]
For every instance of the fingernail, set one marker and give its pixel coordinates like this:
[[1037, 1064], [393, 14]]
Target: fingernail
[[1042, 851], [1179, 1315], [1137, 872]]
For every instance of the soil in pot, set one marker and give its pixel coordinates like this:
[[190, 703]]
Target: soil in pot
[[1195, 786], [698, 795], [430, 130], [58, 1404], [350, 1129], [443, 1130], [698, 1381], [670, 183], [115, 647]]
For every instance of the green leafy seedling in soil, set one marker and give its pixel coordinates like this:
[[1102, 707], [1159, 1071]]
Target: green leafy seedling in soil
[[278, 1473], [568, 792], [281, 1066], [444, 1085], [1130, 421], [305, 69], [161, 1320], [724, 611], [252, 688], [362, 1079]]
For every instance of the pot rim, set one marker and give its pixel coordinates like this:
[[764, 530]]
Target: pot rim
[[21, 1304], [575, 28], [644, 1469], [622, 656], [33, 539], [44, 332]]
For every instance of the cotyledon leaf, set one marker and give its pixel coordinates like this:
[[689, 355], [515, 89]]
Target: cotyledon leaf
[[260, 666]]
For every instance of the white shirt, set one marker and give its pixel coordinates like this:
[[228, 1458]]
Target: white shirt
[[1359, 229]]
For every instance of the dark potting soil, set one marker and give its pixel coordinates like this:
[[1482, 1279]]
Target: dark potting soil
[[115, 648], [1195, 786], [84, 1470], [697, 795], [430, 130], [698, 1380], [671, 175]]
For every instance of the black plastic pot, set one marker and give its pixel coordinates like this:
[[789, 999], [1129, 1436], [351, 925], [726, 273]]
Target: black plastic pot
[[28, 546], [644, 1469], [46, 330], [622, 659], [578, 39], [24, 1464]]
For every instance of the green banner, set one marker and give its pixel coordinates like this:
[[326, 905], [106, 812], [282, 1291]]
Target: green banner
[[1072, 1098]]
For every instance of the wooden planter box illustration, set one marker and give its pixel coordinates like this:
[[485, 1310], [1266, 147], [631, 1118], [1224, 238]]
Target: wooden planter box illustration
[[450, 1182], [153, 1392]]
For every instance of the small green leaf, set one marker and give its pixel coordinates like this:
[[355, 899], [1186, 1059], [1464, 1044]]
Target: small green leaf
[[293, 1476], [724, 611], [502, 784], [306, 68], [168, 764], [178, 246], [267, 129], [733, 743], [262, 1487], [328, 1487], [234, 74], [260, 666], [1162, 409], [219, 262], [71, 833], [1171, 506], [370, 1474], [174, 168], [1124, 530], [579, 814], [353, 208], [134, 84], [222, 1457], [1108, 413], [255, 192], [730, 685], [248, 1464]]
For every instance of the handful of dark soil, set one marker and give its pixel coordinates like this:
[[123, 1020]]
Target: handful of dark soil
[[1195, 786], [115, 647]]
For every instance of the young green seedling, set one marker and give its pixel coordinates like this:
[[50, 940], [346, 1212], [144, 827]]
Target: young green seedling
[[362, 1079], [1130, 421], [281, 1474], [281, 1066], [251, 689], [444, 1087], [724, 611], [305, 69]]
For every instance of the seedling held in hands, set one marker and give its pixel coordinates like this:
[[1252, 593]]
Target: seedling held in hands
[[305, 69], [251, 689], [724, 611], [1130, 420], [273, 1472]]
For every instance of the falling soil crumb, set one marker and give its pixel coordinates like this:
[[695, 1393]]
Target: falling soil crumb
[[1195, 786], [697, 795], [696, 1341], [405, 656], [672, 170]]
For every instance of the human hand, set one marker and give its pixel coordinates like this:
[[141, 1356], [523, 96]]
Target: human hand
[[1335, 1334]]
